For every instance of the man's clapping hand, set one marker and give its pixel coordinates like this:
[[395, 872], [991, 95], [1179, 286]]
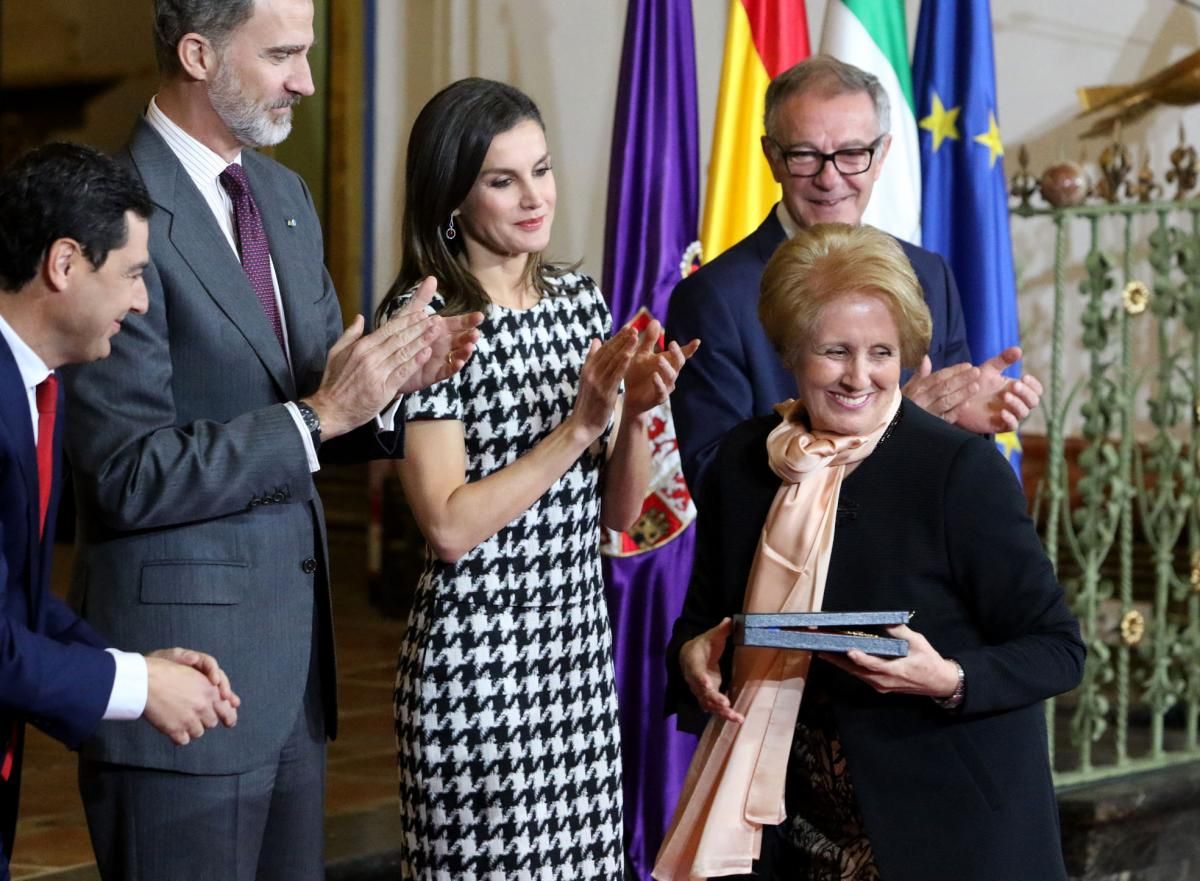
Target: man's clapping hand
[[980, 399]]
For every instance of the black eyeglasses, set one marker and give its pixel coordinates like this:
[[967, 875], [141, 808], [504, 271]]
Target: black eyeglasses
[[810, 163]]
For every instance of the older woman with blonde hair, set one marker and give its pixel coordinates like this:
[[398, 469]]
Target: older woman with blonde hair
[[928, 766]]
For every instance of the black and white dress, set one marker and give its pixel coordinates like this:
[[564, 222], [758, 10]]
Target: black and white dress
[[506, 715]]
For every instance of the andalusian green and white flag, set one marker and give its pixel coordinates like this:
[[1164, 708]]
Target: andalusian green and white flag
[[871, 34]]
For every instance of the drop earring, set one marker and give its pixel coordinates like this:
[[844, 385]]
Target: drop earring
[[451, 232]]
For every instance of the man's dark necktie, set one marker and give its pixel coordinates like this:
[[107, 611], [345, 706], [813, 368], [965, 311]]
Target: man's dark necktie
[[252, 243]]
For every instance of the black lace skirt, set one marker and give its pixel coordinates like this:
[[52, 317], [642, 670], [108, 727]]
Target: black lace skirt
[[823, 837], [824, 832]]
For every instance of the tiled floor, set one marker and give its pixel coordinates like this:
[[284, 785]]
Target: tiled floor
[[51, 834]]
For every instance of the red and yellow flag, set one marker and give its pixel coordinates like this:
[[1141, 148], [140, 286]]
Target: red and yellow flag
[[763, 39]]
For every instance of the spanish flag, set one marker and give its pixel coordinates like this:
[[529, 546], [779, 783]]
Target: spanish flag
[[763, 39]]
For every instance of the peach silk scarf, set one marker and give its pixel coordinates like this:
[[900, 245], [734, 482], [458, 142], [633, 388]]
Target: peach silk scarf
[[736, 779]]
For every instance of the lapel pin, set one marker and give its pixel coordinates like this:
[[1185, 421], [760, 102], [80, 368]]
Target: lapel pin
[[291, 221]]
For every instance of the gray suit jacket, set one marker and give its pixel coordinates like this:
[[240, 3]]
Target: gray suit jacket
[[199, 522]]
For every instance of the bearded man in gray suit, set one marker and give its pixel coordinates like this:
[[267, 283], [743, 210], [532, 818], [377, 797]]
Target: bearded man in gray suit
[[194, 446]]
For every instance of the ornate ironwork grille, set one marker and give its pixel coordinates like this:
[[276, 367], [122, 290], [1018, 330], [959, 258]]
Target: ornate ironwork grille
[[1119, 508]]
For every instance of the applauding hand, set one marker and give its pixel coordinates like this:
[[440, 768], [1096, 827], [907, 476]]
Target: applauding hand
[[451, 346], [651, 375], [600, 383], [980, 399], [1000, 404]]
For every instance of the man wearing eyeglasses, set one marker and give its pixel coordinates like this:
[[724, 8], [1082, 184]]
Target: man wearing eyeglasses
[[826, 140]]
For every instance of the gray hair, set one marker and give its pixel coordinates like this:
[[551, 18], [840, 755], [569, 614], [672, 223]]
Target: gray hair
[[829, 77], [214, 19]]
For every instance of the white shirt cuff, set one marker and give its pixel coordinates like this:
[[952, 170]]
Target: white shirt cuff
[[386, 421], [130, 686], [314, 464]]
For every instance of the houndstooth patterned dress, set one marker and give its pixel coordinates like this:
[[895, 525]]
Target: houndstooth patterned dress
[[506, 715]]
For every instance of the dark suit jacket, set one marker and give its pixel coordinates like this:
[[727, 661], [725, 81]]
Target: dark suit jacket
[[736, 374], [54, 671], [199, 521], [934, 522]]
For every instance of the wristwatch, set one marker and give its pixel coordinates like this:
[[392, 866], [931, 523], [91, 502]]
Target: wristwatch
[[311, 421], [960, 690]]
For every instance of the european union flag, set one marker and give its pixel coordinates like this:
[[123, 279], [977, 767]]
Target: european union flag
[[964, 204]]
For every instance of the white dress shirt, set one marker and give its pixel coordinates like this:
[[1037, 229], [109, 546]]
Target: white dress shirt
[[790, 227], [131, 684]]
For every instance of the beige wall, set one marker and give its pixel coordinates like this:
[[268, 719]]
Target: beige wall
[[566, 53]]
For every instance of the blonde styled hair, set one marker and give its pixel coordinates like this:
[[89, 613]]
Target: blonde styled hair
[[828, 261]]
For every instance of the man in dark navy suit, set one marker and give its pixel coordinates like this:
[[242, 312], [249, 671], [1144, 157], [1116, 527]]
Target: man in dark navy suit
[[826, 140], [73, 246]]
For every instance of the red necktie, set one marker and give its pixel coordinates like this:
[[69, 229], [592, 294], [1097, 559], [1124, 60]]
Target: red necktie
[[252, 243], [47, 405], [46, 397], [10, 754]]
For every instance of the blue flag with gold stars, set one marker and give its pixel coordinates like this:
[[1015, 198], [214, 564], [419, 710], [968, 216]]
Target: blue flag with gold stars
[[964, 203]]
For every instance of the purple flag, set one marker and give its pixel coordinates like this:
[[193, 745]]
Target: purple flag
[[653, 217]]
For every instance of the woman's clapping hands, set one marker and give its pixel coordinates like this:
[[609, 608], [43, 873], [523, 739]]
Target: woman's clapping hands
[[650, 377], [600, 382], [629, 356]]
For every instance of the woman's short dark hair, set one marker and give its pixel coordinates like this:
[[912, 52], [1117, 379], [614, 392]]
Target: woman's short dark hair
[[63, 191], [827, 261], [449, 141], [215, 20]]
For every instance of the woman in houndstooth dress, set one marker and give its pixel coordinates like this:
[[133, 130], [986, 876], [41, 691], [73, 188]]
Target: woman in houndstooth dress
[[506, 725]]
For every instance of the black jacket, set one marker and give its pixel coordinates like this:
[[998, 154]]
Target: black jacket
[[934, 522]]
